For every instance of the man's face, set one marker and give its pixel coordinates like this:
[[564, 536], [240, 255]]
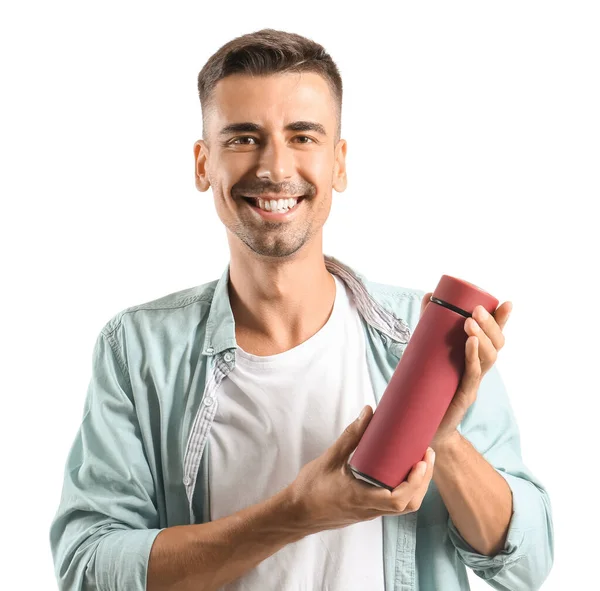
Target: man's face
[[271, 137]]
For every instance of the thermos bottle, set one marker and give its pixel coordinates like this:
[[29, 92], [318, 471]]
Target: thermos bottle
[[421, 388]]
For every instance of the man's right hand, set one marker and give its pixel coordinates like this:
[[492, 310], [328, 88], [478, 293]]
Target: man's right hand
[[326, 495]]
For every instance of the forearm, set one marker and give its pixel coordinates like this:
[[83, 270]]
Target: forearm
[[204, 557], [478, 499]]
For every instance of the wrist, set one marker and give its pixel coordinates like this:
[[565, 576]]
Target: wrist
[[448, 445], [295, 511]]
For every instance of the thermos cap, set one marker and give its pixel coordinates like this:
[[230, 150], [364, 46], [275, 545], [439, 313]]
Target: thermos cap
[[464, 295]]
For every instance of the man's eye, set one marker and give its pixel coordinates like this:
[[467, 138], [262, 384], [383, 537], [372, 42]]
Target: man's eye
[[240, 140], [245, 137]]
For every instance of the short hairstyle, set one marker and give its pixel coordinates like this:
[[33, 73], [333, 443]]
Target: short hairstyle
[[265, 52]]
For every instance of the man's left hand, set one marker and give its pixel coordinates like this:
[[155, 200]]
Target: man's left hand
[[481, 351]]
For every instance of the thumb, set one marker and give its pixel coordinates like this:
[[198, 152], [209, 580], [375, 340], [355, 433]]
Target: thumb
[[425, 302], [348, 440]]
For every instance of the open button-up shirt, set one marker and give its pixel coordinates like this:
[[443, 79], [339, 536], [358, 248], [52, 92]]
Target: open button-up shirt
[[137, 464]]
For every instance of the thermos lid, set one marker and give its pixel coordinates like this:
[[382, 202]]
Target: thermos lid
[[464, 295]]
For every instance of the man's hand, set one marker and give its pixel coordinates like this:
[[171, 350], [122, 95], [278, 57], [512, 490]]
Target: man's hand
[[326, 495], [481, 351]]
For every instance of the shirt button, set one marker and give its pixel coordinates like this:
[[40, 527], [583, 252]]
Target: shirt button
[[228, 356], [208, 401], [187, 481], [210, 350]]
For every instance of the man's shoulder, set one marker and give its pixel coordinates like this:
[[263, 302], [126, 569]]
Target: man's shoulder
[[393, 292], [377, 288], [192, 300], [403, 302]]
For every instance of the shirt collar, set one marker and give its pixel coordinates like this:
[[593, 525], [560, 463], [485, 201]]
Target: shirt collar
[[220, 325]]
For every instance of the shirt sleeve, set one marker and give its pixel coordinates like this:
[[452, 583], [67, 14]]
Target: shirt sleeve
[[107, 519], [528, 554]]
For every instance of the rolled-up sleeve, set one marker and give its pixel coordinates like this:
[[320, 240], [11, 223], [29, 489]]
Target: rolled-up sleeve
[[528, 554], [106, 522]]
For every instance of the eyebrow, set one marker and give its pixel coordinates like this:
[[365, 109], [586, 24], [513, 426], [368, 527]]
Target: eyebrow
[[254, 127]]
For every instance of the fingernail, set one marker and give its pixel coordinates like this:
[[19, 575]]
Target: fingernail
[[362, 414]]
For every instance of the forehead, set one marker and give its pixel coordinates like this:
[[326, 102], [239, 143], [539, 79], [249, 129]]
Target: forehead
[[275, 98]]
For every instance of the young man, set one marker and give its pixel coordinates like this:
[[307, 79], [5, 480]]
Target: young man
[[219, 420]]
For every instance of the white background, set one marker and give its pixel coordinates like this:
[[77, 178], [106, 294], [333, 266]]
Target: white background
[[473, 149]]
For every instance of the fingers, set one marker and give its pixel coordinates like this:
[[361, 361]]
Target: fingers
[[487, 351], [424, 302], [492, 325], [469, 384], [409, 494], [502, 313], [348, 440], [422, 489]]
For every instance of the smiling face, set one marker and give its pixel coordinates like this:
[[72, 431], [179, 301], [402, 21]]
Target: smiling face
[[271, 137]]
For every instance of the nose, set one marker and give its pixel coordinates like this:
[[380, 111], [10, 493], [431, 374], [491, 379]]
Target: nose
[[276, 161]]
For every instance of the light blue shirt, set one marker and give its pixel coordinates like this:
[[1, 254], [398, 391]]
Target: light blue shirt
[[137, 464]]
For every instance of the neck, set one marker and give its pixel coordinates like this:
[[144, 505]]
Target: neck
[[278, 303]]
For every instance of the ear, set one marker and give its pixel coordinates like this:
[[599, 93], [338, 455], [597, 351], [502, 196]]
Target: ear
[[200, 159], [340, 181]]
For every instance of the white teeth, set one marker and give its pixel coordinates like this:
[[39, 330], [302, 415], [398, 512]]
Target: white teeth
[[277, 205]]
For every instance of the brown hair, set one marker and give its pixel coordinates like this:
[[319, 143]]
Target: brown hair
[[265, 52]]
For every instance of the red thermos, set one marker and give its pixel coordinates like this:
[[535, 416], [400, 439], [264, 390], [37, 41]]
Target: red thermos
[[421, 388]]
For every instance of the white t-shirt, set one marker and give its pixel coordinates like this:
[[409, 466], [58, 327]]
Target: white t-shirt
[[276, 413]]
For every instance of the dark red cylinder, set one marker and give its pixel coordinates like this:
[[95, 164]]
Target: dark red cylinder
[[421, 388]]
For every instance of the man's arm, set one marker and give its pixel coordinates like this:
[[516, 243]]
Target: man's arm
[[491, 440], [206, 556], [478, 499], [107, 519], [106, 536]]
